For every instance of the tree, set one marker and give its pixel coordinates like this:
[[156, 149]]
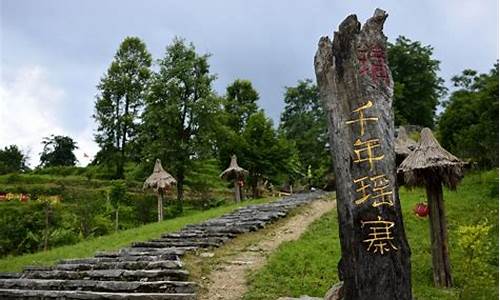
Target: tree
[[117, 196], [469, 125], [304, 122], [240, 102], [119, 102], [12, 160], [266, 154], [417, 87], [179, 111], [58, 151]]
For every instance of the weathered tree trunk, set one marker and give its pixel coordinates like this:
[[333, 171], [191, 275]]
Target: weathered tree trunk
[[160, 205], [356, 87], [46, 231], [237, 196], [180, 192], [116, 218], [439, 234]]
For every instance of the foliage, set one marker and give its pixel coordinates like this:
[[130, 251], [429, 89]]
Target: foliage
[[179, 110], [117, 196], [116, 240], [119, 102], [476, 246], [240, 103], [203, 179], [417, 86], [308, 265], [58, 151], [12, 160], [303, 121], [266, 154], [469, 125]]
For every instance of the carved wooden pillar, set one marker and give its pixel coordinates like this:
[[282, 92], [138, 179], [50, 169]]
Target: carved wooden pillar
[[356, 87]]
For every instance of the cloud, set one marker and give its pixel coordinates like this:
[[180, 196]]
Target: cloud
[[30, 109]]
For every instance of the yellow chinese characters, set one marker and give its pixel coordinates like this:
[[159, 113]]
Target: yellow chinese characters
[[380, 237], [364, 151], [379, 184], [361, 118]]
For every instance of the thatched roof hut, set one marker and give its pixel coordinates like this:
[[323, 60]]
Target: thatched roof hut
[[160, 180], [234, 172], [430, 160], [403, 144]]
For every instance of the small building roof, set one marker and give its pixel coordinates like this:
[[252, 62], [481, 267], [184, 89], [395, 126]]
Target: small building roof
[[430, 161], [160, 179]]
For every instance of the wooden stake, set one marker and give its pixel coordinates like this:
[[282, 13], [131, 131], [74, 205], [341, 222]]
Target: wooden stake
[[237, 196], [439, 236]]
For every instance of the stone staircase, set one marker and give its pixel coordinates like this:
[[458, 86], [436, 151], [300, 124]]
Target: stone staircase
[[145, 270]]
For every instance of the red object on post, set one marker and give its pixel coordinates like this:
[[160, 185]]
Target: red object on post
[[421, 209]]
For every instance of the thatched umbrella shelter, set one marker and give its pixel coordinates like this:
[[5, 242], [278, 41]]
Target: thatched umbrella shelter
[[432, 166], [403, 145], [236, 174], [160, 181]]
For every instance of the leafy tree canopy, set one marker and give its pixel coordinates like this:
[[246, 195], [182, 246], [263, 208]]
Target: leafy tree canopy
[[179, 110], [58, 151], [240, 102], [469, 125], [119, 102], [12, 160], [303, 121], [417, 86]]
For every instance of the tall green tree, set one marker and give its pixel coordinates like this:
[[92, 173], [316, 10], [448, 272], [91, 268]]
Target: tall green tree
[[417, 86], [304, 122], [266, 153], [469, 125], [12, 160], [58, 151], [179, 111], [119, 102], [240, 102]]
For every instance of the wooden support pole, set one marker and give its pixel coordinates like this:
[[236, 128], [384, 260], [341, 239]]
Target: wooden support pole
[[439, 234], [356, 88], [237, 196], [160, 205]]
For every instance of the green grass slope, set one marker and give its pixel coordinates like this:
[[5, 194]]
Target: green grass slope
[[309, 265], [117, 240]]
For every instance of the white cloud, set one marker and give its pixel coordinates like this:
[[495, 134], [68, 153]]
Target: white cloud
[[30, 110]]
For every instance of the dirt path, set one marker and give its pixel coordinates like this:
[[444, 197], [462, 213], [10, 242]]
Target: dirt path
[[227, 279]]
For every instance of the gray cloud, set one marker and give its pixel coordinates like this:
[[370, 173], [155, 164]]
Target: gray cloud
[[271, 43]]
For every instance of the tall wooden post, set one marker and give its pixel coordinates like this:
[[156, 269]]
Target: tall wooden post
[[439, 233], [237, 196], [356, 87], [160, 205]]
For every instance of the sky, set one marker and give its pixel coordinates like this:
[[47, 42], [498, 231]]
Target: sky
[[53, 52]]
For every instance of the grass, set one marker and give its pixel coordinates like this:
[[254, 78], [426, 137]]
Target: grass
[[117, 240], [309, 265]]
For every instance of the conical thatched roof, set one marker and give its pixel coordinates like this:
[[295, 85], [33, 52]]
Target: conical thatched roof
[[233, 171], [403, 144], [430, 160], [160, 179]]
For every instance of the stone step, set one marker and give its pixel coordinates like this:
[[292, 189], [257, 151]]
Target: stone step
[[198, 233], [111, 275], [7, 275], [126, 265], [176, 244], [100, 286], [7, 294], [216, 240], [144, 252], [95, 260]]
